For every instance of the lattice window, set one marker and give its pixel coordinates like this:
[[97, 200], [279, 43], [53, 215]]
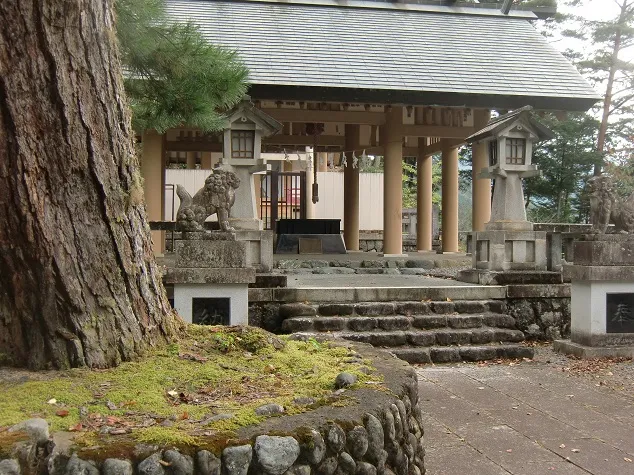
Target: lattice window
[[493, 153], [242, 143], [515, 151]]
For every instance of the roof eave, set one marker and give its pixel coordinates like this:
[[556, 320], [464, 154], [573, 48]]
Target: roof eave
[[409, 97]]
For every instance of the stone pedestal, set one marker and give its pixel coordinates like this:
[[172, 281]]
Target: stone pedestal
[[211, 275], [507, 247], [602, 297]]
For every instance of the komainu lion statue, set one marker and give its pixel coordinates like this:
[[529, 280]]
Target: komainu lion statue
[[217, 196], [606, 207]]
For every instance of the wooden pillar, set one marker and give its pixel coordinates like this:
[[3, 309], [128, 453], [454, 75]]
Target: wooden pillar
[[205, 160], [153, 173], [392, 141], [480, 187], [423, 198], [449, 197], [191, 160], [351, 192]]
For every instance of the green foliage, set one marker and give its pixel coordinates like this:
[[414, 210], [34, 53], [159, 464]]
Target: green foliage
[[173, 76], [600, 59], [567, 162], [410, 182]]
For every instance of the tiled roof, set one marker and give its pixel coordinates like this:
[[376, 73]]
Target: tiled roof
[[427, 53]]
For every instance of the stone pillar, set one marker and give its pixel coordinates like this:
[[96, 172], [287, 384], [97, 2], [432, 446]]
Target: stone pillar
[[449, 197], [205, 160], [191, 160], [153, 173], [423, 198], [480, 187], [351, 192], [392, 141]]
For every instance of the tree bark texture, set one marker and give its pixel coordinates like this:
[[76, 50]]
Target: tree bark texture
[[78, 281]]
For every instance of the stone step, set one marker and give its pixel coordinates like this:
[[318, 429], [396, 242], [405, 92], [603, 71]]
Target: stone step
[[396, 322], [455, 354], [407, 308], [442, 337], [323, 295]]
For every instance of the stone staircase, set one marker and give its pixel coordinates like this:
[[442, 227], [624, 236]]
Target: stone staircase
[[417, 332]]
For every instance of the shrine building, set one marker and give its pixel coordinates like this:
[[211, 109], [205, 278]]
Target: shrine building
[[393, 79]]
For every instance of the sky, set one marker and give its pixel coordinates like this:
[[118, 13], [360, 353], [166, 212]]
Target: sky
[[594, 9]]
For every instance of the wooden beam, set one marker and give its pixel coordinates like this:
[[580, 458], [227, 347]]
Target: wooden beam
[[407, 151], [184, 146], [438, 146], [346, 117], [445, 132], [306, 140]]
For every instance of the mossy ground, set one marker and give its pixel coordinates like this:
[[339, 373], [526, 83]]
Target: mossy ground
[[168, 396]]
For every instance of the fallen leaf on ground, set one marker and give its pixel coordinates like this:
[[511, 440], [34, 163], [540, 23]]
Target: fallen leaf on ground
[[52, 401], [627, 459], [575, 450], [562, 446], [62, 413]]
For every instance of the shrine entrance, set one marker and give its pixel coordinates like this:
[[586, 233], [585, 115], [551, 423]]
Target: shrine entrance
[[282, 196]]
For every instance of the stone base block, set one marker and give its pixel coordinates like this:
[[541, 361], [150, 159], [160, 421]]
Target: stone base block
[[490, 277], [237, 294], [504, 250], [259, 247], [246, 224], [598, 273], [601, 313], [211, 253], [209, 275], [588, 352], [509, 226]]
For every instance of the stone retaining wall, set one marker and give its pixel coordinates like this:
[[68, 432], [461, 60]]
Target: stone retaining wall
[[542, 312], [381, 434]]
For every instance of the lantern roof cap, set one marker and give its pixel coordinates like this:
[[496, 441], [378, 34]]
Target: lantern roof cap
[[498, 124], [246, 109]]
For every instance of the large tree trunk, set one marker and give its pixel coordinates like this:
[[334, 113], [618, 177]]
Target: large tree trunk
[[78, 282]]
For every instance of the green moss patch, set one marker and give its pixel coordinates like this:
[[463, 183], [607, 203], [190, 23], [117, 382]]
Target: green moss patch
[[182, 394]]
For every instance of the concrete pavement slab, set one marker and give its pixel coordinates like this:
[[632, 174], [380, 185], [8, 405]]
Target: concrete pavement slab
[[524, 419], [460, 460]]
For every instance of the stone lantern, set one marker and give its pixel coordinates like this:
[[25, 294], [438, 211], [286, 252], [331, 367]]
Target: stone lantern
[[509, 242], [509, 139], [245, 128]]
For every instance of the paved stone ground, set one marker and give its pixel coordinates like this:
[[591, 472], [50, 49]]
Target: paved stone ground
[[530, 418], [357, 280], [372, 256]]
